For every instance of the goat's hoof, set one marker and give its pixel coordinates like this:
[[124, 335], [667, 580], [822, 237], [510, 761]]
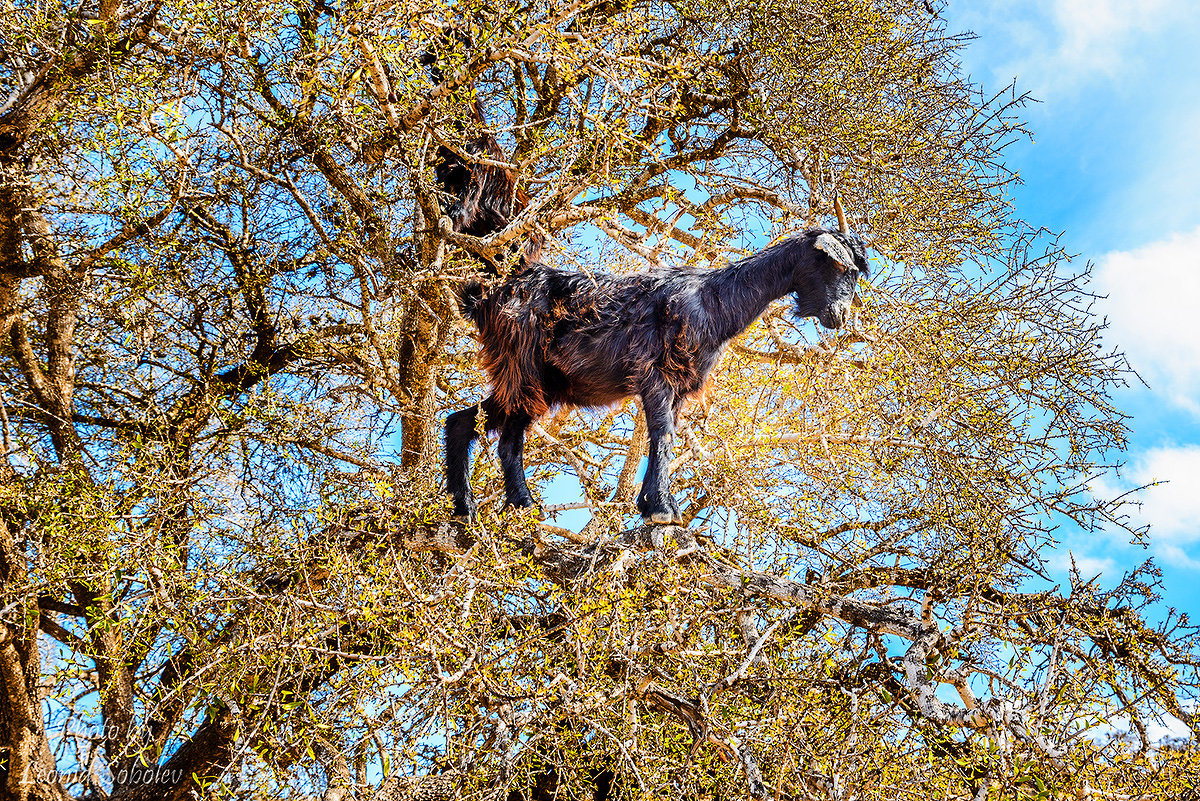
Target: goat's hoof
[[664, 513], [664, 517], [465, 513]]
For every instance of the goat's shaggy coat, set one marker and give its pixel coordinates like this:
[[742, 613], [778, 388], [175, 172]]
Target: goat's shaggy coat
[[557, 337]]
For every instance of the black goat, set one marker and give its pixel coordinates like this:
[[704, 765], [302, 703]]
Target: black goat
[[484, 198], [553, 337]]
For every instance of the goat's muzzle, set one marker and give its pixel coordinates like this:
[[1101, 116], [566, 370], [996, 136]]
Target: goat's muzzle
[[835, 315]]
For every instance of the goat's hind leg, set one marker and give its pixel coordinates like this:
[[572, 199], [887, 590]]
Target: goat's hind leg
[[460, 436], [655, 502], [511, 450]]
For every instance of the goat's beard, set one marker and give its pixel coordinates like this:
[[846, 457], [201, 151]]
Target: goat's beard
[[833, 315]]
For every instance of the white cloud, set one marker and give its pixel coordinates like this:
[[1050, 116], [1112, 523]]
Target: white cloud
[[1169, 504], [1172, 505], [1168, 727], [1088, 566], [1051, 47], [1153, 307], [1176, 557], [1094, 36]]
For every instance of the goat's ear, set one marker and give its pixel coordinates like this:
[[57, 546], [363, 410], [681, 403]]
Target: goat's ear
[[833, 248]]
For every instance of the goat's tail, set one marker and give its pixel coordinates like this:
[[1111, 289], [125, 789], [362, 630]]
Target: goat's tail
[[512, 352]]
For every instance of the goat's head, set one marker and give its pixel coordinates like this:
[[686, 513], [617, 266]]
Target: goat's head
[[826, 284]]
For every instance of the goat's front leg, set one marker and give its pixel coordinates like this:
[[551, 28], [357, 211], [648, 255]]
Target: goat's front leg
[[655, 501], [511, 449]]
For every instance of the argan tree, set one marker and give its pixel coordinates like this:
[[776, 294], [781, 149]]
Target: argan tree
[[229, 334]]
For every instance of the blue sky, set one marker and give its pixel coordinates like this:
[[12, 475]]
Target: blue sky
[[1115, 166]]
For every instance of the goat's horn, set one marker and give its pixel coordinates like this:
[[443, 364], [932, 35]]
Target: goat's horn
[[841, 214]]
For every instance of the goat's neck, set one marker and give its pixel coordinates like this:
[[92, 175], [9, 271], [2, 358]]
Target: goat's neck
[[739, 293]]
